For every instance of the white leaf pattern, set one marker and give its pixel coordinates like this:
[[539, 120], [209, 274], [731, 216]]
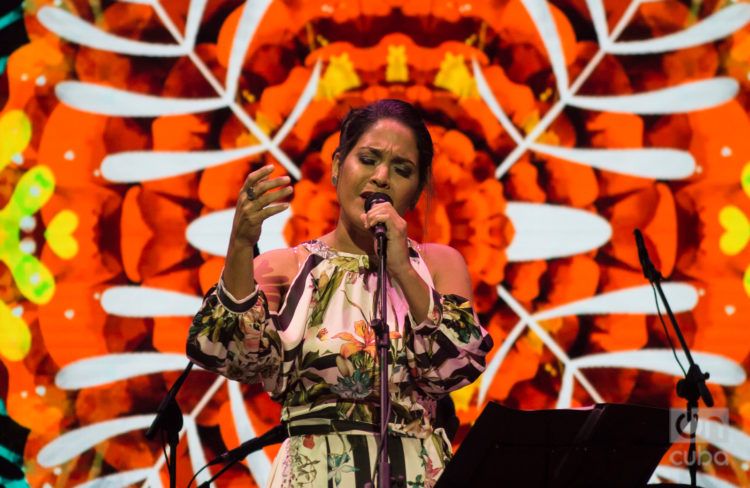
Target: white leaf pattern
[[541, 231], [101, 370], [658, 164], [540, 13], [137, 166], [717, 26], [726, 438], [152, 302], [119, 480], [639, 300], [98, 99], [687, 97], [195, 450], [681, 475], [723, 371], [74, 29], [73, 443]]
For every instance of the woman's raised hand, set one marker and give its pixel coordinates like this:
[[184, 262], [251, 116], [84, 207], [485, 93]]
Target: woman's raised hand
[[256, 203]]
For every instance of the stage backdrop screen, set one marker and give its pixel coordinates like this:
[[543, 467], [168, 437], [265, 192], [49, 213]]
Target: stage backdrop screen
[[127, 128]]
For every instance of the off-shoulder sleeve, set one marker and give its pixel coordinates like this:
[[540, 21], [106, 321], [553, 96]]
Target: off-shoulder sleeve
[[449, 347], [237, 338]]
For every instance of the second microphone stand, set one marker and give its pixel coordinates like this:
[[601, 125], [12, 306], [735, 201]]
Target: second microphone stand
[[693, 385], [168, 420]]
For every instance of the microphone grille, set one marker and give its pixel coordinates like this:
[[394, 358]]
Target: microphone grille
[[374, 198]]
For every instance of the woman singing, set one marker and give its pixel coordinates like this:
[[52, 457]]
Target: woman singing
[[298, 320]]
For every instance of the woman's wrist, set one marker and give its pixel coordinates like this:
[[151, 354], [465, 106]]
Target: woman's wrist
[[241, 247], [404, 273], [233, 303]]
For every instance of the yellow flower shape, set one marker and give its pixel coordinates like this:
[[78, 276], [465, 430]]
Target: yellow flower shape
[[737, 230], [59, 234], [15, 128], [339, 77], [397, 69], [455, 77], [15, 337]]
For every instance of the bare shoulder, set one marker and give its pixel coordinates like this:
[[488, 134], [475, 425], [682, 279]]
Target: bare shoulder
[[274, 271], [448, 269], [277, 267], [439, 257]]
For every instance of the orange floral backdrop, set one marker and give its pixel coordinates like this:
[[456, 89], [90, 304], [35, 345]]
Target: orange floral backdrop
[[127, 128]]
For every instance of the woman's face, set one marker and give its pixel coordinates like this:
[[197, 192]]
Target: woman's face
[[384, 159]]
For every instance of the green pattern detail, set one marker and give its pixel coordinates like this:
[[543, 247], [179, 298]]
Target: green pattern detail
[[459, 315], [337, 466], [325, 287], [32, 277]]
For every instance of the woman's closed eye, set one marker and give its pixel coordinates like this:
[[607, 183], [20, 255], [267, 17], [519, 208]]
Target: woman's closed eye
[[404, 171]]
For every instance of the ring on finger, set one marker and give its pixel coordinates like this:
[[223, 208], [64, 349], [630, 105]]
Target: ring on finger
[[250, 192]]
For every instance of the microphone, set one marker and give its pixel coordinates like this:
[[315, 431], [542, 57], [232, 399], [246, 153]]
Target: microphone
[[649, 270], [373, 198], [273, 436]]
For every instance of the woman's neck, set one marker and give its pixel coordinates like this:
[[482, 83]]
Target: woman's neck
[[346, 238]]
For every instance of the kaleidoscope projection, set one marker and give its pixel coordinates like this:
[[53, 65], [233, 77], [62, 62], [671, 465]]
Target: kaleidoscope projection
[[559, 127]]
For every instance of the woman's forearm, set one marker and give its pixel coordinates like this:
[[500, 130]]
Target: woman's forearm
[[416, 292], [238, 271]]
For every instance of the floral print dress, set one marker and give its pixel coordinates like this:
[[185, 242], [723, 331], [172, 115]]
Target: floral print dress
[[317, 357]]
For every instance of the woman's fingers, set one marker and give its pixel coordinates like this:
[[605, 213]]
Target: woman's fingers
[[256, 176], [275, 196], [257, 201], [264, 195], [265, 185], [380, 212], [273, 210], [257, 185], [267, 199]]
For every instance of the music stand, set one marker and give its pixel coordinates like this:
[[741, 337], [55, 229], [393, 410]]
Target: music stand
[[609, 445]]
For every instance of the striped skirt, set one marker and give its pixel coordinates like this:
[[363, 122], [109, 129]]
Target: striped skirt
[[349, 459]]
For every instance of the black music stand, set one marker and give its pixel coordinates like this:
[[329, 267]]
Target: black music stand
[[608, 445]]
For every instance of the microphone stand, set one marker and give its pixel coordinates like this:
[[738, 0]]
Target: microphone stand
[[169, 421], [380, 326], [693, 385], [230, 458]]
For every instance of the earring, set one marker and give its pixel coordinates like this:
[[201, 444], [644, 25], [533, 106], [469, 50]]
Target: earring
[[334, 180]]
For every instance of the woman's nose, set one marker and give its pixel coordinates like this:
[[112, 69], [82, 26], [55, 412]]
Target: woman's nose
[[380, 175]]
